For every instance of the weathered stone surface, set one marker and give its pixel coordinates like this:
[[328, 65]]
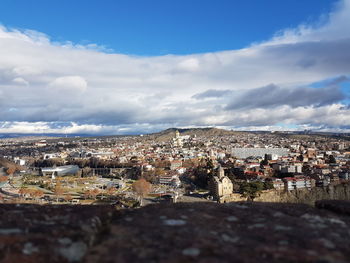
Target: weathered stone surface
[[236, 232], [342, 207], [184, 232], [33, 233]]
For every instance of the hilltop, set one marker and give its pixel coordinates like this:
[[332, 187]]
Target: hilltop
[[170, 133]]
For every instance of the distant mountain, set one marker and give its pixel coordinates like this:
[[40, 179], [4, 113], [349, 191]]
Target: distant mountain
[[57, 135], [170, 133]]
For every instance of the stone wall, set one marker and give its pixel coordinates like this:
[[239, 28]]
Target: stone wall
[[304, 196], [232, 198], [183, 232], [336, 192]]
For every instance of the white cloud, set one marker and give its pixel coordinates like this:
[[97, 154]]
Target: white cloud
[[189, 64], [20, 81], [68, 83], [44, 84]]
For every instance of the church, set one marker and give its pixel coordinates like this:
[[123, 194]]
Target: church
[[220, 185]]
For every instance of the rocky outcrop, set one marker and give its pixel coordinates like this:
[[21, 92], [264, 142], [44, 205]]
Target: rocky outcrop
[[61, 233], [183, 232]]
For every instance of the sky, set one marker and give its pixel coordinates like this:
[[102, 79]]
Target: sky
[[125, 67]]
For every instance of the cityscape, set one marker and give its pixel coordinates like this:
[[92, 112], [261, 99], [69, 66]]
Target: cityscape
[[174, 131], [194, 165]]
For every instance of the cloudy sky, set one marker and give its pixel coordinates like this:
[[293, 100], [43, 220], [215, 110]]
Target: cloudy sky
[[292, 78]]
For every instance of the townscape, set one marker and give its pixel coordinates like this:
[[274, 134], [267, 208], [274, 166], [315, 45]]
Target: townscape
[[176, 165], [174, 131]]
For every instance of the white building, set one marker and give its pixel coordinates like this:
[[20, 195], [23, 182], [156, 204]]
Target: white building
[[291, 169], [247, 152], [60, 170], [172, 180], [50, 156], [19, 161], [298, 182]]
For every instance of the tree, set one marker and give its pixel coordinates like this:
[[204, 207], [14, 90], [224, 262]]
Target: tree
[[68, 198], [30, 193], [159, 172], [3, 178], [150, 176], [251, 190], [111, 191], [23, 191], [202, 174], [91, 193], [268, 185], [93, 162], [190, 163], [141, 187], [58, 191], [332, 159], [11, 170], [87, 194], [85, 171], [264, 162], [37, 194]]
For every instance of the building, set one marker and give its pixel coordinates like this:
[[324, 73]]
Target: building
[[248, 152], [170, 179], [292, 169], [101, 155], [50, 156], [175, 164], [177, 141], [220, 185], [278, 184], [19, 161], [271, 157], [41, 143], [288, 168], [344, 175], [60, 170], [298, 182], [311, 153]]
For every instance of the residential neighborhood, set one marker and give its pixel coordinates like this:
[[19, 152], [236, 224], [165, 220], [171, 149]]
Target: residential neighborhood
[[183, 165]]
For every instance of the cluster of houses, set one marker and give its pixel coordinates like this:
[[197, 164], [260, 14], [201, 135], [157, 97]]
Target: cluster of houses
[[287, 169], [288, 162]]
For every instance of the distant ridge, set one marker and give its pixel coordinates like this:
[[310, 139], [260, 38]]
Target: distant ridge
[[167, 134], [170, 132], [56, 135]]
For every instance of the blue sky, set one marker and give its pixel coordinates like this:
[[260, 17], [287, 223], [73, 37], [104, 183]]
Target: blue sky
[[158, 27], [119, 67]]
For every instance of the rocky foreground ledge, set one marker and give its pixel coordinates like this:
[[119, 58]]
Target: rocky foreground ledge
[[185, 232]]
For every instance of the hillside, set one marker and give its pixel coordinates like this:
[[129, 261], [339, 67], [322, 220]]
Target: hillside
[[7, 164], [167, 134]]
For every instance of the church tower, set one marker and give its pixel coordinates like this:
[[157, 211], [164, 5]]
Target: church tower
[[220, 172]]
